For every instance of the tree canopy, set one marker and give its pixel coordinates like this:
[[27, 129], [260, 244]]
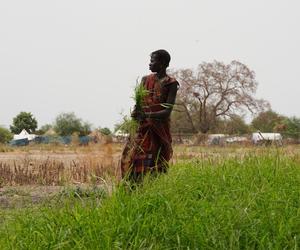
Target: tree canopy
[[270, 121], [215, 90], [292, 127], [24, 120], [68, 124], [267, 121]]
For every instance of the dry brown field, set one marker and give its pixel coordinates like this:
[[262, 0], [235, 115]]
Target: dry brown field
[[37, 171]]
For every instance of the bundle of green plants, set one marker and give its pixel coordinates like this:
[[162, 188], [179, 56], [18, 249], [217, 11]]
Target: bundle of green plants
[[130, 124], [140, 92]]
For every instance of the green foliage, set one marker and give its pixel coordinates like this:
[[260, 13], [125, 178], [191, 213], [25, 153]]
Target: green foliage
[[180, 122], [42, 130], [24, 120], [139, 94], [267, 121], [68, 124], [127, 126], [85, 129], [235, 125], [105, 131], [5, 135], [251, 203], [130, 125], [270, 121], [292, 127]]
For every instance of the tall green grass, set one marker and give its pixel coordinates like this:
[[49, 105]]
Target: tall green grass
[[253, 203]]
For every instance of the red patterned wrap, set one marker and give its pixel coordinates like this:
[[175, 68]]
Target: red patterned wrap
[[151, 149]]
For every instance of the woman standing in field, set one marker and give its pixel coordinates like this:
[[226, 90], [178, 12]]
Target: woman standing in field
[[151, 149]]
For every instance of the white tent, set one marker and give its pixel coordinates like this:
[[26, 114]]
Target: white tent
[[256, 137], [236, 139], [23, 135], [215, 139], [119, 133]]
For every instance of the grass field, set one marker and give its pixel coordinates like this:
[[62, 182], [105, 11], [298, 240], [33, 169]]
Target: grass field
[[222, 198]]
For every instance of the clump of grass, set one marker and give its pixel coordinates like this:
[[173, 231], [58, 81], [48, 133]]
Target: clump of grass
[[129, 124], [252, 203], [140, 92], [81, 192]]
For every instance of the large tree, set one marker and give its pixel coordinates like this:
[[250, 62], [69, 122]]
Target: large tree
[[24, 120], [216, 90], [68, 124]]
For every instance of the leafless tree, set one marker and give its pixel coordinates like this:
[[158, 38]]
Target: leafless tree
[[216, 90]]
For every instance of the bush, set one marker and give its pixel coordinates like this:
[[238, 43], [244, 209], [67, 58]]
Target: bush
[[105, 131], [5, 135], [68, 124]]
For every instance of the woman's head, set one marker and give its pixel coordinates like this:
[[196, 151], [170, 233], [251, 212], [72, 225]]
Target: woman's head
[[159, 59]]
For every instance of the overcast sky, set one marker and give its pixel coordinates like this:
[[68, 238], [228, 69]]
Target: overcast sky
[[84, 56]]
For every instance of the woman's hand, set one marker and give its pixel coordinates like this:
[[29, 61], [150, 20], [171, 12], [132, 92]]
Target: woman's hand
[[138, 115]]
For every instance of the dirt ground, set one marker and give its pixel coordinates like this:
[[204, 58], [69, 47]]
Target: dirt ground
[[64, 154], [21, 195]]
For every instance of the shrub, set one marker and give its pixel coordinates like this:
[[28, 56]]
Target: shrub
[[5, 135]]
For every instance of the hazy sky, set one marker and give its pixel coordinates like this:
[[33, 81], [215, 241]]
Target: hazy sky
[[84, 56]]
